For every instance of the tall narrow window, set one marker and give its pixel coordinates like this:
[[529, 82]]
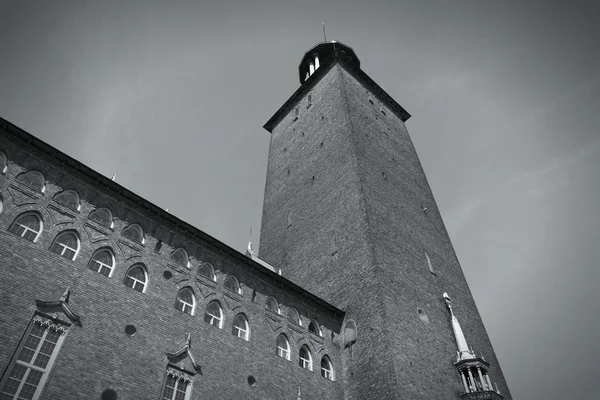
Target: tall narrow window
[[68, 198], [305, 358], [28, 226], [214, 314], [3, 162], [231, 283], [103, 262], [272, 305], [186, 301], [136, 278], [429, 263], [27, 373], [294, 317], [66, 244], [240, 327], [283, 347], [180, 256], [326, 368], [103, 216], [134, 232], [176, 388], [207, 271], [33, 179], [313, 327]]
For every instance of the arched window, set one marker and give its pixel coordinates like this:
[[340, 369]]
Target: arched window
[[240, 327], [283, 347], [28, 226], [186, 301], [207, 271], [326, 368], [103, 216], [1, 204], [349, 333], [231, 283], [305, 358], [136, 278], [214, 314], [180, 256], [294, 316], [134, 232], [313, 327], [102, 261], [2, 162], [68, 198], [66, 244], [272, 305], [33, 179]]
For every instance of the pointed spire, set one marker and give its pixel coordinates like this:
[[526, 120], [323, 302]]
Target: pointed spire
[[65, 297], [463, 348]]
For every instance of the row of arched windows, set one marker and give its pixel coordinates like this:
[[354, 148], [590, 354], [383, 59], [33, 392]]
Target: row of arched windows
[[305, 359], [293, 316]]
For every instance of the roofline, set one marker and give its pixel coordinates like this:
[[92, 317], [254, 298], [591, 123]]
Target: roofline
[[110, 185], [358, 73]]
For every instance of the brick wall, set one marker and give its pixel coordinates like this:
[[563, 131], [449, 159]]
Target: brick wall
[[99, 355]]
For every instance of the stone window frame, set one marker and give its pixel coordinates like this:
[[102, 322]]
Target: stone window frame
[[40, 343], [183, 305], [207, 271], [180, 257], [97, 266], [132, 237], [272, 305], [99, 210], [62, 198], [315, 328], [327, 371], [30, 183], [235, 287], [283, 352], [294, 316], [17, 225], [241, 332], [305, 362], [210, 317], [135, 282], [177, 378], [63, 249]]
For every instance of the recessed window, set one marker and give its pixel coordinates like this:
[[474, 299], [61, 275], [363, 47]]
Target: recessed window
[[136, 278], [176, 388], [214, 314], [109, 394], [134, 232], [313, 327], [231, 283], [272, 305], [240, 328], [294, 317], [180, 256], [103, 262], [26, 375], [130, 330], [251, 380], [66, 244], [207, 271], [3, 162], [305, 358], [283, 347], [186, 301], [429, 264], [350, 334], [326, 368], [28, 226], [34, 179], [103, 216], [68, 198]]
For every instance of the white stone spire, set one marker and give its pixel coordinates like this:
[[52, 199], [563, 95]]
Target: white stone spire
[[463, 348]]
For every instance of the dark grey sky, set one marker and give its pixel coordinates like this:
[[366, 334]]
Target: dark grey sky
[[505, 95]]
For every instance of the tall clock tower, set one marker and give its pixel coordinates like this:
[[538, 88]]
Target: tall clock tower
[[348, 215]]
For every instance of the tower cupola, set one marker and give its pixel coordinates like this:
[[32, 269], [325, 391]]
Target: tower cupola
[[323, 53]]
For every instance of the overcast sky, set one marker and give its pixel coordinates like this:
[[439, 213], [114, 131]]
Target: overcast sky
[[504, 96]]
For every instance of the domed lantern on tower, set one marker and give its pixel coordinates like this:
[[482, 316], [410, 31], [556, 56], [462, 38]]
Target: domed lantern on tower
[[323, 53]]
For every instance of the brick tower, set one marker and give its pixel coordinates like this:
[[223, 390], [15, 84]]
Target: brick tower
[[348, 215]]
